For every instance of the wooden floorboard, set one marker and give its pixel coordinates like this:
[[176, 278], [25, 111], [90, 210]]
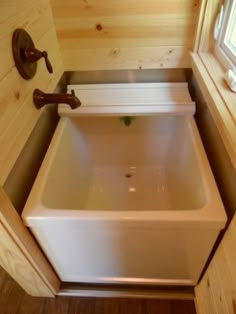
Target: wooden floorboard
[[162, 306], [57, 305], [13, 300], [11, 296], [2, 278], [81, 305], [106, 306], [31, 305], [132, 306]]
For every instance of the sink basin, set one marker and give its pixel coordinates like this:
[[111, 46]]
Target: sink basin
[[102, 165], [126, 204]]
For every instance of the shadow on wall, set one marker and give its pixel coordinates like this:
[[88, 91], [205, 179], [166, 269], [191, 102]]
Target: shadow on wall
[[221, 165], [24, 172]]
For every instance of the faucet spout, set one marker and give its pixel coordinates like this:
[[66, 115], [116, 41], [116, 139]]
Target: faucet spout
[[41, 99]]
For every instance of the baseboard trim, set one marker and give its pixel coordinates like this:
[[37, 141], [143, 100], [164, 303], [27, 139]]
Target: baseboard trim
[[125, 291]]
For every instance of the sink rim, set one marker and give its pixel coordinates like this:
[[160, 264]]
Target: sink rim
[[211, 213]]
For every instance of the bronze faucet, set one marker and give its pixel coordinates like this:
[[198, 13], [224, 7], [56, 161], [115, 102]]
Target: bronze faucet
[[40, 99]]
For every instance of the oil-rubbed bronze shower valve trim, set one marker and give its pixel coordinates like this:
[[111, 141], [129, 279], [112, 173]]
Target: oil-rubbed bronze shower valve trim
[[26, 55]]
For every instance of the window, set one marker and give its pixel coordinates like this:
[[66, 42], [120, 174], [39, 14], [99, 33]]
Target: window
[[225, 35]]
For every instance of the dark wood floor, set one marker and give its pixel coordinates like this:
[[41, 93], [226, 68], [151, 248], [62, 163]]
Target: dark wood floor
[[13, 300]]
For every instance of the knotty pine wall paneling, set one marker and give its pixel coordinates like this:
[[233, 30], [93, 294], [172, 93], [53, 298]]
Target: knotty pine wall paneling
[[126, 34], [216, 293], [17, 113]]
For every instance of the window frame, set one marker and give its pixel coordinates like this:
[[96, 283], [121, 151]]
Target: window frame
[[223, 53]]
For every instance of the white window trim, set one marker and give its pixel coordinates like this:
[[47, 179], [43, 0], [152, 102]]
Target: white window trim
[[222, 52]]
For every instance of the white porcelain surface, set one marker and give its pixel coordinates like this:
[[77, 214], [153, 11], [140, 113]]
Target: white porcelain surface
[[126, 204], [101, 164], [130, 99]]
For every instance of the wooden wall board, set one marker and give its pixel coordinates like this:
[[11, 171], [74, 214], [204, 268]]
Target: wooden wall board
[[90, 8], [13, 261], [17, 113], [198, 30], [26, 248], [106, 35], [216, 293], [126, 58]]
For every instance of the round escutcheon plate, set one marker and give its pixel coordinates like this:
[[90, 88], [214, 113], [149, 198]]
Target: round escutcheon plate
[[21, 40]]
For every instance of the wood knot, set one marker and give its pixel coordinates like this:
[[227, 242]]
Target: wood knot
[[114, 52], [234, 306], [17, 95], [99, 27]]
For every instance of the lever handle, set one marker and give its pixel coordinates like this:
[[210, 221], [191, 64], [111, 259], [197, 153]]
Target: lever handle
[[32, 55], [47, 62]]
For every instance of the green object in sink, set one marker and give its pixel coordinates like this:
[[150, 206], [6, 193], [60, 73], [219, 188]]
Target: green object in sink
[[127, 120]]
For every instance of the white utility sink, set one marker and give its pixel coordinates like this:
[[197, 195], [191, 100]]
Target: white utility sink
[[126, 204]]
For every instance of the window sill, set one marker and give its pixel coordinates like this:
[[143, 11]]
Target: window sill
[[220, 99]]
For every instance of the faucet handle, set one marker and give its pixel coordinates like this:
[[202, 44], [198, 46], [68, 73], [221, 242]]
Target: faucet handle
[[47, 62], [33, 55]]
